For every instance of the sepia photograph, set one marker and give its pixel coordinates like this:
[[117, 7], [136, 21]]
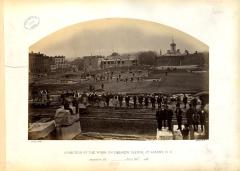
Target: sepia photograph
[[118, 79], [120, 85]]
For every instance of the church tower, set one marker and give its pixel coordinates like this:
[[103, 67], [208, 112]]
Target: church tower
[[173, 47]]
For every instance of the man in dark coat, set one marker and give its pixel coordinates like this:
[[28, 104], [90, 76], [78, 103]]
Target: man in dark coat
[[103, 97], [146, 101], [75, 104], [185, 101], [127, 99], [179, 117], [62, 97], [107, 97], [135, 102], [140, 100], [185, 132], [164, 115], [165, 100], [169, 114], [153, 101], [159, 118], [120, 99], [189, 115], [194, 103], [159, 101], [202, 115], [195, 120]]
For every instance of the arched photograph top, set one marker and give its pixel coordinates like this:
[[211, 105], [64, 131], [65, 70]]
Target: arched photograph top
[[118, 79]]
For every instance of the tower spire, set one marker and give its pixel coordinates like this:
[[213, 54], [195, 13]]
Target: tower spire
[[173, 46], [172, 39]]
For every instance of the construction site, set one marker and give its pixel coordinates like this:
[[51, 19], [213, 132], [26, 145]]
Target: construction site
[[95, 119]]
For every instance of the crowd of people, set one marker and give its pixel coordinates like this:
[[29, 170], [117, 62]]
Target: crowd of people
[[194, 117], [125, 76], [40, 96], [164, 113], [184, 107], [124, 100]]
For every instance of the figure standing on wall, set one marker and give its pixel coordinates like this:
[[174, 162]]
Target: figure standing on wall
[[202, 115], [185, 101], [159, 118], [169, 117], [179, 117]]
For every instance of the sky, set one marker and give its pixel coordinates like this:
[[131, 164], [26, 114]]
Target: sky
[[104, 36]]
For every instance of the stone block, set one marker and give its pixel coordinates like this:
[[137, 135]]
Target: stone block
[[40, 130], [164, 134]]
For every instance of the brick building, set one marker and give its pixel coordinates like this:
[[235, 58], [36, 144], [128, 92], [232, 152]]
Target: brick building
[[174, 57], [39, 63], [59, 63]]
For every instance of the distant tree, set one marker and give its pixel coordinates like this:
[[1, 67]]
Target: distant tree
[[79, 63], [147, 58], [114, 54]]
